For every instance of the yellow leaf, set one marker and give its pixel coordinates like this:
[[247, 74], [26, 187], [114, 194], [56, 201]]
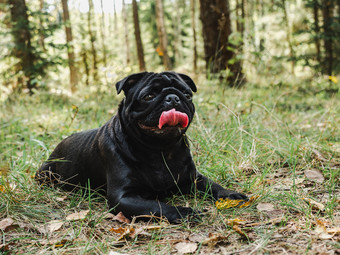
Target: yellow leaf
[[249, 202], [227, 203], [333, 79]]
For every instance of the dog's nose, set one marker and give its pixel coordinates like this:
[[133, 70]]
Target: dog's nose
[[172, 99]]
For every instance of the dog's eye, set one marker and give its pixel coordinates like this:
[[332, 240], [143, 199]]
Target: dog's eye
[[188, 96], [149, 97]]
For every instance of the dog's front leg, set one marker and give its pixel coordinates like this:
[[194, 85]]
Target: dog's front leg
[[133, 205], [204, 184]]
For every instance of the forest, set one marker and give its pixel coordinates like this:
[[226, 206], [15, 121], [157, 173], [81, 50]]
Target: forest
[[266, 123]]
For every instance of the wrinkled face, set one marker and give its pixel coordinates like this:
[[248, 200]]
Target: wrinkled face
[[159, 105]]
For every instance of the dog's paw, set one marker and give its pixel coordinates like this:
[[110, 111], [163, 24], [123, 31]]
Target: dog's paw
[[183, 213], [231, 195]]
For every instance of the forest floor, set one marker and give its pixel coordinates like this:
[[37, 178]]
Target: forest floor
[[276, 143]]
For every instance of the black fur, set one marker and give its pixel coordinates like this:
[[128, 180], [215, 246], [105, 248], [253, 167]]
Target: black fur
[[130, 159]]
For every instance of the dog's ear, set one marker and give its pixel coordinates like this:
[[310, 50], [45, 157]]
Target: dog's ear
[[128, 82], [188, 81]]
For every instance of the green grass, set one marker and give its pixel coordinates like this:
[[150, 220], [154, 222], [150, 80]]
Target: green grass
[[258, 140]]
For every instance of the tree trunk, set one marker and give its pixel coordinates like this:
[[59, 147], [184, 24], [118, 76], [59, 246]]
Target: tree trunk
[[216, 26], [162, 35], [139, 44], [23, 49], [41, 33], [70, 48], [92, 40], [193, 26], [126, 33], [102, 33], [289, 41], [317, 30], [327, 13]]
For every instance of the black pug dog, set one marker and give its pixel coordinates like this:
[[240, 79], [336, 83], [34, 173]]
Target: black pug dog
[[142, 154]]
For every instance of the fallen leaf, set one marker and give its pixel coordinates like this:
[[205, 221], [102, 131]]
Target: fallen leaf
[[196, 238], [317, 154], [121, 218], [238, 230], [60, 199], [7, 224], [116, 253], [186, 247], [267, 207], [315, 205], [314, 175], [322, 232], [78, 215], [124, 232], [51, 227], [250, 201], [236, 221], [214, 239]]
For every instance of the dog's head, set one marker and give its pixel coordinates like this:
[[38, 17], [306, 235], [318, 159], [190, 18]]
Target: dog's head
[[157, 105]]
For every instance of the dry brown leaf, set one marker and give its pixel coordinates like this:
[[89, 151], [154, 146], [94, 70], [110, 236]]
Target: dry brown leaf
[[60, 199], [78, 215], [314, 175], [51, 227], [186, 247], [318, 156], [238, 230], [267, 207], [196, 238], [322, 232], [315, 205], [236, 221], [124, 232], [7, 224], [121, 218], [214, 239]]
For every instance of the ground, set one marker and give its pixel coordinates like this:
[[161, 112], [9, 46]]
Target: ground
[[279, 144]]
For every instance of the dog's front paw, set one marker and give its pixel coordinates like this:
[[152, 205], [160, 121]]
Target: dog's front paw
[[231, 195], [181, 213]]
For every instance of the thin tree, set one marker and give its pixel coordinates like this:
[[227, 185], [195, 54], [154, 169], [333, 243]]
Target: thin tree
[[70, 48], [23, 49], [193, 27], [288, 35], [92, 41], [41, 33], [216, 28], [162, 35], [327, 13], [102, 33], [126, 33], [139, 44], [317, 30]]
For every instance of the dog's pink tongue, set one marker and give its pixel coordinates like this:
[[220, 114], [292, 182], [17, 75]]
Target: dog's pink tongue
[[173, 118]]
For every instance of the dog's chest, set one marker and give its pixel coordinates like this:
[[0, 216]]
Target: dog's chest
[[165, 176]]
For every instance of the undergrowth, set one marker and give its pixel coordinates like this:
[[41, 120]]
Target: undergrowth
[[259, 140]]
